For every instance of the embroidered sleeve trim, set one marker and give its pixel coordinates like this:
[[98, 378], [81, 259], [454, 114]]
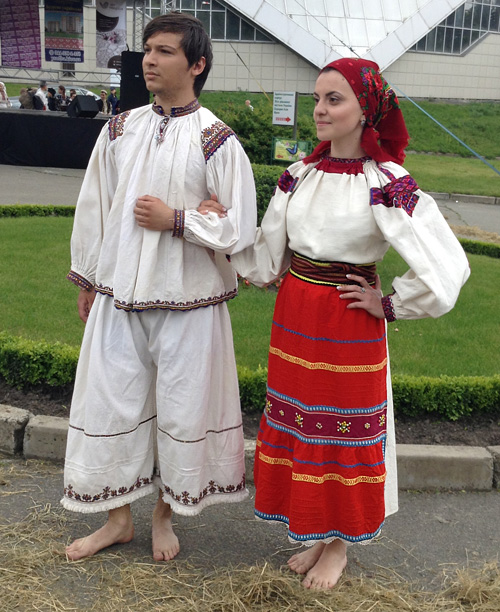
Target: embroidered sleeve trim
[[79, 281], [214, 137], [397, 193], [116, 125], [179, 217], [388, 307]]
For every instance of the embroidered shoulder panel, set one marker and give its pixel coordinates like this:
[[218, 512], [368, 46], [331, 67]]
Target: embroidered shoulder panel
[[397, 193], [213, 137], [116, 125], [287, 182]]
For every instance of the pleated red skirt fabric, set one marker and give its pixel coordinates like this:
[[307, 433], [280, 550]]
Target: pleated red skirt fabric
[[319, 464]]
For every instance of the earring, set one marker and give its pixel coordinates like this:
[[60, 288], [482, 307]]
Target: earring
[[363, 122]]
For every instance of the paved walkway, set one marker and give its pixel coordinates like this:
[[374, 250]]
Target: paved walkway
[[60, 186], [430, 533]]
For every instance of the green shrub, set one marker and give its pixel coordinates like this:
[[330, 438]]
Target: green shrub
[[25, 363], [266, 178], [36, 210], [447, 397], [480, 248], [252, 389], [255, 129]]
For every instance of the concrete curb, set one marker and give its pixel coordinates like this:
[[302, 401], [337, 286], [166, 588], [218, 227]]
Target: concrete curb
[[423, 467], [460, 197]]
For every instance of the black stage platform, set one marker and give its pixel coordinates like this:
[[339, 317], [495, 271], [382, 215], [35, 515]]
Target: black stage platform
[[47, 138]]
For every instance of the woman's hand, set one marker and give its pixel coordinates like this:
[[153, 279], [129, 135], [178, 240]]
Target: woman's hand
[[364, 295], [212, 205], [84, 302], [153, 214]]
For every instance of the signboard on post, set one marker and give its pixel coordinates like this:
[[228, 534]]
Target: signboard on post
[[284, 106]]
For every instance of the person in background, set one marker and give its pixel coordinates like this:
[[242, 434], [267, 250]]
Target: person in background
[[26, 98], [62, 100], [325, 462], [103, 104], [72, 94], [51, 98], [41, 94], [4, 98], [113, 101]]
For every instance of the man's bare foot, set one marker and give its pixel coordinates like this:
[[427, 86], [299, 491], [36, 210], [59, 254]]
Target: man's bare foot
[[165, 542], [303, 561], [327, 571], [119, 529]]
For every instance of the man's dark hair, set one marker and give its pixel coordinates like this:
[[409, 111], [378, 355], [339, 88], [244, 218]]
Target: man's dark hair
[[194, 42]]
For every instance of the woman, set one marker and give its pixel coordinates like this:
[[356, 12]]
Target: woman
[[62, 99], [4, 98], [103, 104], [325, 461]]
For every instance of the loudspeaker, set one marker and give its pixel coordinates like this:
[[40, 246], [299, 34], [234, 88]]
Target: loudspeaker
[[83, 106], [133, 90]]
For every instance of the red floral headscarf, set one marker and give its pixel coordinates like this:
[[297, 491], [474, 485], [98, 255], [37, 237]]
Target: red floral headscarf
[[385, 135]]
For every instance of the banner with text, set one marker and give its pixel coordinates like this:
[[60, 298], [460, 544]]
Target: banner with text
[[111, 33], [64, 31], [20, 33]]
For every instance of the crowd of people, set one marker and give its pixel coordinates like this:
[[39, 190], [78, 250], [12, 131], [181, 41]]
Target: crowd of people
[[46, 98]]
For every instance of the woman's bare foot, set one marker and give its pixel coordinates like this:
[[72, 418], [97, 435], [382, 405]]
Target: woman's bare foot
[[119, 529], [165, 542], [327, 571], [303, 561]]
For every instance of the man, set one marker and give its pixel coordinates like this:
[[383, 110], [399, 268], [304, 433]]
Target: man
[[156, 401], [113, 100], [41, 93]]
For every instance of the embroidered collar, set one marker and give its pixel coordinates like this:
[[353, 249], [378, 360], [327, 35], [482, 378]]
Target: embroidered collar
[[341, 165], [346, 160], [178, 111]]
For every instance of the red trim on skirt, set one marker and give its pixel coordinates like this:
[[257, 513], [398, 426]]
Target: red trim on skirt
[[320, 453]]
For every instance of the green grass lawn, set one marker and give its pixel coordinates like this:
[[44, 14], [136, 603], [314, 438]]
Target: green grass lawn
[[38, 303]]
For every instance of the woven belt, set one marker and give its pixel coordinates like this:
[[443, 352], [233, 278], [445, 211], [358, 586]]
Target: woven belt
[[329, 272]]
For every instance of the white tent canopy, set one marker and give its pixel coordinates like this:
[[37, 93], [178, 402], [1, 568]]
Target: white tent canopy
[[324, 30]]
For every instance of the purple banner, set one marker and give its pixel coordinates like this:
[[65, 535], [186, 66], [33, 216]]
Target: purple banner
[[64, 31], [20, 33]]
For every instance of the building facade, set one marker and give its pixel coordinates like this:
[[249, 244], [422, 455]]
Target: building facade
[[447, 49]]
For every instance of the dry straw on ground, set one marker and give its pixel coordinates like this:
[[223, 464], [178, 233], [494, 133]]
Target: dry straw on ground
[[475, 233], [35, 576]]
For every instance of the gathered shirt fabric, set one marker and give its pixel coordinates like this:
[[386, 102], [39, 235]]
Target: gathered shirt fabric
[[352, 211], [182, 159]]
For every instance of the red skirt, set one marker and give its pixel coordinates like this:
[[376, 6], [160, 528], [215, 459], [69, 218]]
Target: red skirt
[[319, 463]]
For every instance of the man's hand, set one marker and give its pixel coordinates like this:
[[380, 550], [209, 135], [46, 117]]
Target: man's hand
[[84, 303], [153, 214], [212, 205], [366, 297]]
